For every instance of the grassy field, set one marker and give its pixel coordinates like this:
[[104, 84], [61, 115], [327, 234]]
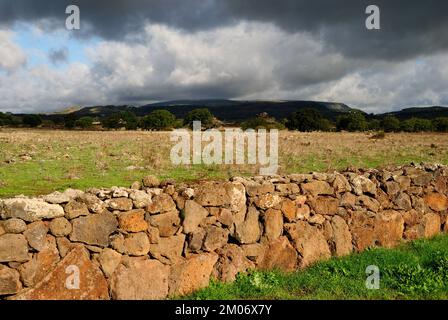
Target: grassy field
[[417, 270], [41, 161]]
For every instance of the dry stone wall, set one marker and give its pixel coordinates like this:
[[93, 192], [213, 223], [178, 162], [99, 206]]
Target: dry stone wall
[[156, 240]]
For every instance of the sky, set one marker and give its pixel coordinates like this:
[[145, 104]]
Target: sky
[[141, 51]]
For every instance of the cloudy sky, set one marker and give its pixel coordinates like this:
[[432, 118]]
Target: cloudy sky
[[140, 51]]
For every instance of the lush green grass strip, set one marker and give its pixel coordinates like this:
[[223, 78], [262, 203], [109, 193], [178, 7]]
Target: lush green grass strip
[[417, 270]]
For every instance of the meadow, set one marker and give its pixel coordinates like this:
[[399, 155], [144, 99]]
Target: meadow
[[34, 162]]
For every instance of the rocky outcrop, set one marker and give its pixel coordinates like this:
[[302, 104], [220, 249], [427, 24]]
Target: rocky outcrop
[[157, 240]]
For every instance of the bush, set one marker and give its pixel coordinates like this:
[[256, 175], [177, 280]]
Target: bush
[[353, 121], [158, 120], [263, 121], [32, 120], [203, 115], [307, 120], [374, 125], [422, 125], [84, 122], [390, 124], [416, 125], [123, 119], [440, 124]]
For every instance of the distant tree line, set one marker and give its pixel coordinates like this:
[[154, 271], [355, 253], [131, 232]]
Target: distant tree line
[[305, 120]]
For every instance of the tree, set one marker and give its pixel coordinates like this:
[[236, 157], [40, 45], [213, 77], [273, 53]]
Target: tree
[[422, 125], [69, 121], [407, 125], [390, 124], [84, 122], [440, 124], [158, 120], [32, 120], [352, 121], [203, 115], [122, 119], [262, 121], [307, 120], [374, 125]]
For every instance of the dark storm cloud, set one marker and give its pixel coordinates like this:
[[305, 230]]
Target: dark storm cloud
[[58, 56], [409, 28]]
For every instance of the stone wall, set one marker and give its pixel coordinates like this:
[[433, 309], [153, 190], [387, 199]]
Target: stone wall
[[156, 240]]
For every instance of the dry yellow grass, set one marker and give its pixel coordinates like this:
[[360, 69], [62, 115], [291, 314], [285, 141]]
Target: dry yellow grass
[[41, 161]]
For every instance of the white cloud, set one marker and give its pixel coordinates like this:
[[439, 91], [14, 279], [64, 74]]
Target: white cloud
[[12, 56], [246, 61]]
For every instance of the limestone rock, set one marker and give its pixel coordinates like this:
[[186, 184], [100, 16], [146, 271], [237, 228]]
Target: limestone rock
[[31, 209], [289, 210], [56, 198], [231, 261], [61, 284], [93, 203], [75, 209], [280, 254], [140, 279], [325, 205], [309, 241], [168, 223], [194, 215], [196, 240], [94, 229], [316, 188], [9, 281], [161, 203], [437, 202], [151, 182], [255, 252], [136, 244], [35, 270], [255, 189], [121, 204], [133, 221], [273, 224], [249, 230], [109, 261], [168, 250], [14, 225], [268, 201], [215, 238], [192, 274], [363, 185], [36, 235], [140, 199], [341, 236], [389, 228], [60, 227]]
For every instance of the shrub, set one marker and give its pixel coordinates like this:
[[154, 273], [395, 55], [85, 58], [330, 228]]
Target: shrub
[[262, 122], [84, 122], [203, 115], [123, 119], [158, 120], [32, 120], [390, 124], [440, 124], [353, 121], [307, 120]]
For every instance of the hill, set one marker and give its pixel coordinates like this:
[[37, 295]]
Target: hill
[[423, 112], [226, 110]]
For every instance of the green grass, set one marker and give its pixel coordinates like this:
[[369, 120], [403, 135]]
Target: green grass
[[417, 270], [71, 159]]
